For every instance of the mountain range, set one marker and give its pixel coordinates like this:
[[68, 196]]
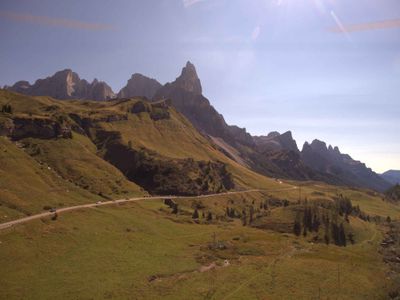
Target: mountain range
[[275, 155], [392, 176]]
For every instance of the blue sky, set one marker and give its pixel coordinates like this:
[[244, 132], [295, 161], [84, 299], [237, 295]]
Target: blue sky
[[326, 69]]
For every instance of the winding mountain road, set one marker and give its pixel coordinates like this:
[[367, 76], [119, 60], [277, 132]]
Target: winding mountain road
[[98, 204]]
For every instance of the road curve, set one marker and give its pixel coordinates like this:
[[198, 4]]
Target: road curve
[[89, 205]]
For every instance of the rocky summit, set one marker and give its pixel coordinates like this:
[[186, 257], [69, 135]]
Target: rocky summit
[[64, 85], [276, 141], [330, 160], [139, 85], [189, 81], [274, 155]]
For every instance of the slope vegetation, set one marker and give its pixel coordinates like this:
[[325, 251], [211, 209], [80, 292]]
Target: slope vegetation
[[113, 149]]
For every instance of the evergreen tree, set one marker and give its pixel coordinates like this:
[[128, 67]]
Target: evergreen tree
[[297, 228], [209, 216], [266, 204], [251, 213], [195, 214], [244, 218], [342, 236], [350, 236], [175, 208], [326, 237], [315, 223], [335, 233]]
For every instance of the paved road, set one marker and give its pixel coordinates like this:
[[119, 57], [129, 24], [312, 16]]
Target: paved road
[[66, 209]]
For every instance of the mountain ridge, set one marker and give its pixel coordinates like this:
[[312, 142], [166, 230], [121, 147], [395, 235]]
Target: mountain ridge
[[274, 155]]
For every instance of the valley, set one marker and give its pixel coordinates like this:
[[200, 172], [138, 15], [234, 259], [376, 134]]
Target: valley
[[142, 248], [131, 198]]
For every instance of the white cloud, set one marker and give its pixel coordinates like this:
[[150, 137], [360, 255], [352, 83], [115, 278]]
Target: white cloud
[[54, 22], [187, 3], [256, 33]]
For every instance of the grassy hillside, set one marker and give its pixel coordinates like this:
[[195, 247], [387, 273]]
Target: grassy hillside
[[92, 131], [26, 186], [142, 250], [232, 246]]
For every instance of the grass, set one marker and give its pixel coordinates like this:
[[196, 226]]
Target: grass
[[141, 250], [71, 171], [26, 186], [138, 250]]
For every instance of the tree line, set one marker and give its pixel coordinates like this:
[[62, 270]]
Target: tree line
[[6, 109]]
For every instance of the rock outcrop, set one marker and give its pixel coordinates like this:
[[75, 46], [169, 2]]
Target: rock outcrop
[[189, 81], [42, 128], [139, 85], [185, 94], [65, 85], [275, 141]]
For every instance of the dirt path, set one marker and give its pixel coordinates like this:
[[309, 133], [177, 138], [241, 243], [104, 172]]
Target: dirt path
[[91, 205]]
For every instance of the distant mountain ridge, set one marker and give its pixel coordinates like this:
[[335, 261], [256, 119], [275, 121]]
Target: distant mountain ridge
[[330, 160], [64, 85], [392, 176], [274, 155]]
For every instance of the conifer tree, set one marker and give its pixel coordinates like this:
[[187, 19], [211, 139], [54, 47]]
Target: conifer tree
[[297, 228], [175, 208], [342, 236]]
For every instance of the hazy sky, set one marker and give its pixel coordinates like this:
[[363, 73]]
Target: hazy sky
[[326, 69]]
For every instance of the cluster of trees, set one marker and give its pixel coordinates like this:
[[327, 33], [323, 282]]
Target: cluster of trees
[[338, 234], [172, 204], [311, 221], [196, 215], [6, 109], [363, 216], [247, 215], [254, 210]]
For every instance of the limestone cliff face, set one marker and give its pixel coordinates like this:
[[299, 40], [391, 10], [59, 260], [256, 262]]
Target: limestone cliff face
[[64, 85], [43, 128], [189, 81], [139, 85]]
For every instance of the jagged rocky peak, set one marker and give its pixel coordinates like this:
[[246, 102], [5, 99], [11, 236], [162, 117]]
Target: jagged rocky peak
[[319, 146], [276, 141], [336, 149], [65, 84], [273, 134], [188, 80], [99, 90], [19, 86], [140, 85]]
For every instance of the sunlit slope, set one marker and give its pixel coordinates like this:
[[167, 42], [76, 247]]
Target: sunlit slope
[[76, 161], [160, 130], [27, 186]]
